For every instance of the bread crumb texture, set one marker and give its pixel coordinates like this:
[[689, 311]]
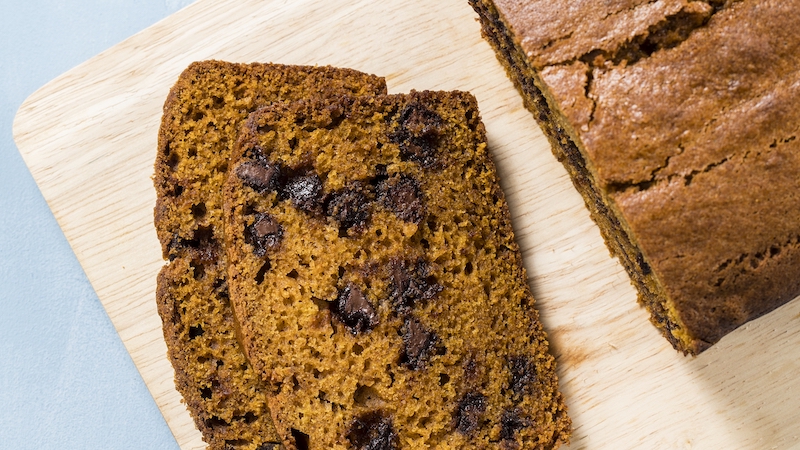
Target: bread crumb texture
[[376, 280]]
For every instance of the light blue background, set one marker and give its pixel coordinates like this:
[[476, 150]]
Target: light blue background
[[66, 380]]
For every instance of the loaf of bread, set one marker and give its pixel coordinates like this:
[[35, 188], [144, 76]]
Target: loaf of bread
[[377, 283], [201, 118], [677, 121]]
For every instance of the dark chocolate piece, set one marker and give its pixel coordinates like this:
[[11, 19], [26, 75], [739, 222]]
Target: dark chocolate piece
[[305, 192], [418, 343], [402, 195], [469, 412], [354, 310], [350, 206], [264, 234], [418, 134], [511, 422], [523, 375], [411, 283], [372, 431], [259, 175]]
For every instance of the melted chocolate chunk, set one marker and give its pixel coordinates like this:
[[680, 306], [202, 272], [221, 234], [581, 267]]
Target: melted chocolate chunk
[[354, 310], [402, 195], [418, 343], [259, 175], [263, 234], [510, 423], [411, 283], [372, 431], [305, 191], [418, 134], [523, 375], [350, 206], [469, 412]]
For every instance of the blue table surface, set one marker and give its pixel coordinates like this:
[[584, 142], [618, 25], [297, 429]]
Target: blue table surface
[[66, 380]]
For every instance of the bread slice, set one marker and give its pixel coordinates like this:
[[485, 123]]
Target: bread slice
[[677, 121], [201, 118], [377, 283]]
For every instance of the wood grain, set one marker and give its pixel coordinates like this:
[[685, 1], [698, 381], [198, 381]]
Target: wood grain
[[89, 138]]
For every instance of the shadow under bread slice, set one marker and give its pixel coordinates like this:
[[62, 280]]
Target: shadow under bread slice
[[377, 283], [201, 118]]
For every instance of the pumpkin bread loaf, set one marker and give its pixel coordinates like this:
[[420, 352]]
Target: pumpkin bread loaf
[[201, 117], [377, 283], [678, 122]]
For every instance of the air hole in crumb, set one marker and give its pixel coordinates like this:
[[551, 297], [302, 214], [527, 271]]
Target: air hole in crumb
[[173, 160], [293, 274], [198, 211], [263, 271], [264, 129], [341, 271], [205, 393], [322, 305], [358, 349], [424, 243], [192, 152], [177, 191], [199, 270], [293, 143], [295, 384], [443, 379], [774, 251], [249, 417], [301, 439], [249, 209], [468, 268], [366, 396], [195, 331]]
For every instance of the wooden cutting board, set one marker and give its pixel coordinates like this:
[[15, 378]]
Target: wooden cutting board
[[89, 138]]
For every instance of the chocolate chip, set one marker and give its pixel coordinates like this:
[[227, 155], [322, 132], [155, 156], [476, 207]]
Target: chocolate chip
[[410, 283], [350, 206], [418, 134], [259, 175], [263, 234], [523, 375], [354, 310], [469, 412], [372, 431], [510, 424], [402, 195], [418, 343], [305, 191]]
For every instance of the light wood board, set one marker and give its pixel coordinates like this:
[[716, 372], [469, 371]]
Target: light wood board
[[89, 138]]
